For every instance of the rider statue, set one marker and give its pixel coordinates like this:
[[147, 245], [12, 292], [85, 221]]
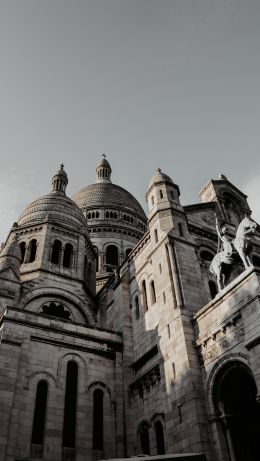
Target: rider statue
[[228, 248], [225, 241]]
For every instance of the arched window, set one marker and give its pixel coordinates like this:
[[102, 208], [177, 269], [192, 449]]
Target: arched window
[[98, 429], [97, 265], [180, 229], [107, 214], [56, 251], [144, 439], [39, 419], [159, 438], [32, 250], [153, 294], [137, 310], [161, 193], [144, 293], [70, 406], [56, 310], [89, 215], [155, 235], [128, 251], [234, 395], [67, 257], [213, 289], [22, 248], [111, 256]]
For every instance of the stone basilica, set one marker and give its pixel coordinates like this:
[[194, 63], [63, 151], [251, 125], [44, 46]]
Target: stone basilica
[[115, 341]]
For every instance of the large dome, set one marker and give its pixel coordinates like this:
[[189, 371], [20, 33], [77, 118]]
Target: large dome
[[107, 195], [116, 221]]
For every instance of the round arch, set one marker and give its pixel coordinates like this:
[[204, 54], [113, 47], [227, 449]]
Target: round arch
[[62, 368], [62, 295], [100, 385], [143, 437], [234, 393], [223, 361], [37, 376]]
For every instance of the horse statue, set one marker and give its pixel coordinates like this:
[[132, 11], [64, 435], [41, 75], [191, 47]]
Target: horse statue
[[231, 248]]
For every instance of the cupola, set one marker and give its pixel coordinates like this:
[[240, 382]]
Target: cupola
[[161, 189], [59, 181], [103, 171]]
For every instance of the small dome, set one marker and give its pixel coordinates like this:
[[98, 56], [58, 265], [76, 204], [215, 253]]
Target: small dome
[[59, 181], [104, 162], [103, 171], [54, 207], [159, 177]]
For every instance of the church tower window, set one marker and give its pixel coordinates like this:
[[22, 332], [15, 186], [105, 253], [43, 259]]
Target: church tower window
[[32, 250], [137, 309], [39, 419], [155, 235], [128, 251], [144, 293], [22, 248], [153, 293], [98, 397], [180, 229], [111, 257], [56, 251], [70, 407], [67, 258]]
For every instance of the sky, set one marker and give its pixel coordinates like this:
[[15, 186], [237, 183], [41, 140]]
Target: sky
[[154, 83]]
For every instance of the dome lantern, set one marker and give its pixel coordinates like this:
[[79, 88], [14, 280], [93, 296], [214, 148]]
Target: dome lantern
[[103, 171], [60, 180]]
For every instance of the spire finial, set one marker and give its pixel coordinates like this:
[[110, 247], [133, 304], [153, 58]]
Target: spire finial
[[159, 170], [104, 155], [61, 166]]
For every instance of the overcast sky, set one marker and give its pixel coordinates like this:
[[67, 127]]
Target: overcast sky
[[155, 83]]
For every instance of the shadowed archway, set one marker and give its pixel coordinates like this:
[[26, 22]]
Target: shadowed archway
[[235, 401]]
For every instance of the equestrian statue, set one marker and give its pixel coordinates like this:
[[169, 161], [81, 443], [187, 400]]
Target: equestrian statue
[[229, 249]]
